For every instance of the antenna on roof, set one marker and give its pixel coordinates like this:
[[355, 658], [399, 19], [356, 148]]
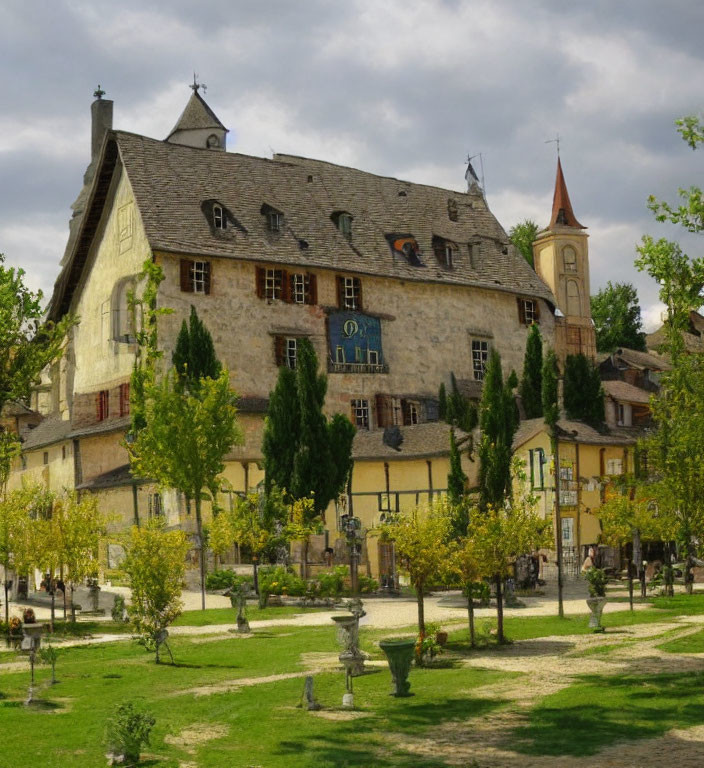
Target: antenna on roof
[[555, 141], [196, 85]]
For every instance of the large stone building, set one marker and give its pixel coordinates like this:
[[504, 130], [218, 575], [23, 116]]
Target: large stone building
[[396, 285]]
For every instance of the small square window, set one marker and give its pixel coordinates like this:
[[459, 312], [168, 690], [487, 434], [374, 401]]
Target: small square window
[[480, 355], [528, 311], [360, 412], [273, 285]]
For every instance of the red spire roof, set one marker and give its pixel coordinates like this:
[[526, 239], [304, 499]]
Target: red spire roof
[[562, 213]]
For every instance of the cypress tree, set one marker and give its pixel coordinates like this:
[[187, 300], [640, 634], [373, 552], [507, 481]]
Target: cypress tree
[[583, 394], [498, 424], [280, 430], [442, 402], [456, 490], [194, 355], [551, 410], [532, 380], [459, 411]]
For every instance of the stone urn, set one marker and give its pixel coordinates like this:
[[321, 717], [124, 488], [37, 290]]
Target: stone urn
[[32, 636], [348, 636], [596, 606], [399, 653]]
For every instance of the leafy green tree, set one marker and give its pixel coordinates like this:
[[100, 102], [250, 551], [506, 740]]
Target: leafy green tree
[[303, 522], [583, 393], [156, 566], [532, 380], [498, 423], [305, 453], [185, 440], [522, 236], [422, 550], [194, 355], [467, 566], [617, 319]]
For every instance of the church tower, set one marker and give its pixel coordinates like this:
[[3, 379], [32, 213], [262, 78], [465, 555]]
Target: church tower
[[198, 125], [561, 257]]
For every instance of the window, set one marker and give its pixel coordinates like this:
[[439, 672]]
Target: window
[[219, 219], [102, 401], [621, 414], [286, 351], [373, 356], [528, 311], [63, 453], [213, 143], [304, 289], [343, 221], [124, 399], [537, 462], [568, 531], [156, 506], [46, 457], [444, 251], [273, 284], [360, 414], [275, 220], [349, 293], [195, 276], [569, 256], [340, 355], [411, 412], [278, 284], [123, 315], [614, 467], [480, 354]]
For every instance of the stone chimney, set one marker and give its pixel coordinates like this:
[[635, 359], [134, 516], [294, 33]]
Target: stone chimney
[[101, 121]]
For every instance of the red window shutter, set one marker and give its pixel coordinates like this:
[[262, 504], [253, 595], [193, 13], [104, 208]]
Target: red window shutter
[[360, 303], [207, 276], [279, 350], [186, 266], [106, 409], [312, 293], [286, 292], [521, 311], [340, 292], [261, 282]]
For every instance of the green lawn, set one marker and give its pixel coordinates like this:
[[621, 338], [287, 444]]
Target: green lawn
[[693, 643], [229, 615]]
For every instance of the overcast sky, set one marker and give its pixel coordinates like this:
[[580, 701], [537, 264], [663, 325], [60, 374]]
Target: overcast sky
[[406, 88]]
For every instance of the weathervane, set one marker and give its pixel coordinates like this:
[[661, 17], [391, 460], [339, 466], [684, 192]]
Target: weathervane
[[99, 93], [556, 141], [196, 85]]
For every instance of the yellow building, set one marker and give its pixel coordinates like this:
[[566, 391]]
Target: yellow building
[[588, 462]]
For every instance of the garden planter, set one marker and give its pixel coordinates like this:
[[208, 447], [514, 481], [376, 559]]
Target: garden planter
[[596, 606], [348, 637], [400, 656]]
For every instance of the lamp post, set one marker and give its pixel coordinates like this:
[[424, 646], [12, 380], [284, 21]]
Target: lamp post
[[352, 528]]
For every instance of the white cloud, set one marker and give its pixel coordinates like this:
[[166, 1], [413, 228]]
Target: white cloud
[[36, 248]]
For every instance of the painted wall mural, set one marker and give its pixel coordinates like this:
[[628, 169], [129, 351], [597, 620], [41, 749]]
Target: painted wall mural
[[354, 339]]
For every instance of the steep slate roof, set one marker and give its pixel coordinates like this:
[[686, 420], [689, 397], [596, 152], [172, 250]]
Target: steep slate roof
[[642, 360], [419, 441], [52, 430], [171, 181], [625, 392], [562, 213], [114, 478], [577, 432], [196, 115]]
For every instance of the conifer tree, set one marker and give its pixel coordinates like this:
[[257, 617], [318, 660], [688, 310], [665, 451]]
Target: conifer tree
[[551, 410], [194, 355], [498, 423], [459, 411], [280, 430], [532, 380], [583, 393], [442, 402], [456, 490]]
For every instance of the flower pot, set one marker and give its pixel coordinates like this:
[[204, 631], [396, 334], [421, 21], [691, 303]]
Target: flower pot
[[400, 656], [596, 606]]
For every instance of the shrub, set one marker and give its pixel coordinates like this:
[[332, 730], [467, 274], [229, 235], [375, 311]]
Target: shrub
[[332, 583], [15, 625], [226, 579], [127, 732], [597, 579], [279, 580], [367, 585], [28, 616], [428, 646], [119, 612]]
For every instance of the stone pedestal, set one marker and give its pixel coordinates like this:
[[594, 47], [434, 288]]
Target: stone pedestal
[[400, 656], [348, 637], [596, 606]]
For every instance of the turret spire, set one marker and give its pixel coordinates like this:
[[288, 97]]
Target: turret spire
[[562, 213]]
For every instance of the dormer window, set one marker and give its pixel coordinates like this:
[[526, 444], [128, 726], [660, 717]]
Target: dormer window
[[343, 221], [213, 142], [570, 256], [219, 220], [444, 251], [274, 218]]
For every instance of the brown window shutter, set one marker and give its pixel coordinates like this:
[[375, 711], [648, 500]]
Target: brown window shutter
[[406, 411], [360, 303], [261, 282], [106, 410], [312, 295], [521, 311], [286, 292], [340, 292], [207, 276], [185, 271], [279, 350], [291, 287], [97, 406], [536, 304]]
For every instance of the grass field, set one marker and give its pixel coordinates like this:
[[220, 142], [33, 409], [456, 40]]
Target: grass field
[[231, 702]]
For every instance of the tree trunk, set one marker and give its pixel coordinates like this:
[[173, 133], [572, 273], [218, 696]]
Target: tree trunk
[[73, 605], [201, 550], [558, 529], [304, 559], [421, 611], [630, 584], [255, 575], [7, 602], [62, 581], [470, 611], [53, 607], [499, 611]]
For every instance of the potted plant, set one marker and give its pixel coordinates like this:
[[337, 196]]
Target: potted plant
[[596, 579]]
